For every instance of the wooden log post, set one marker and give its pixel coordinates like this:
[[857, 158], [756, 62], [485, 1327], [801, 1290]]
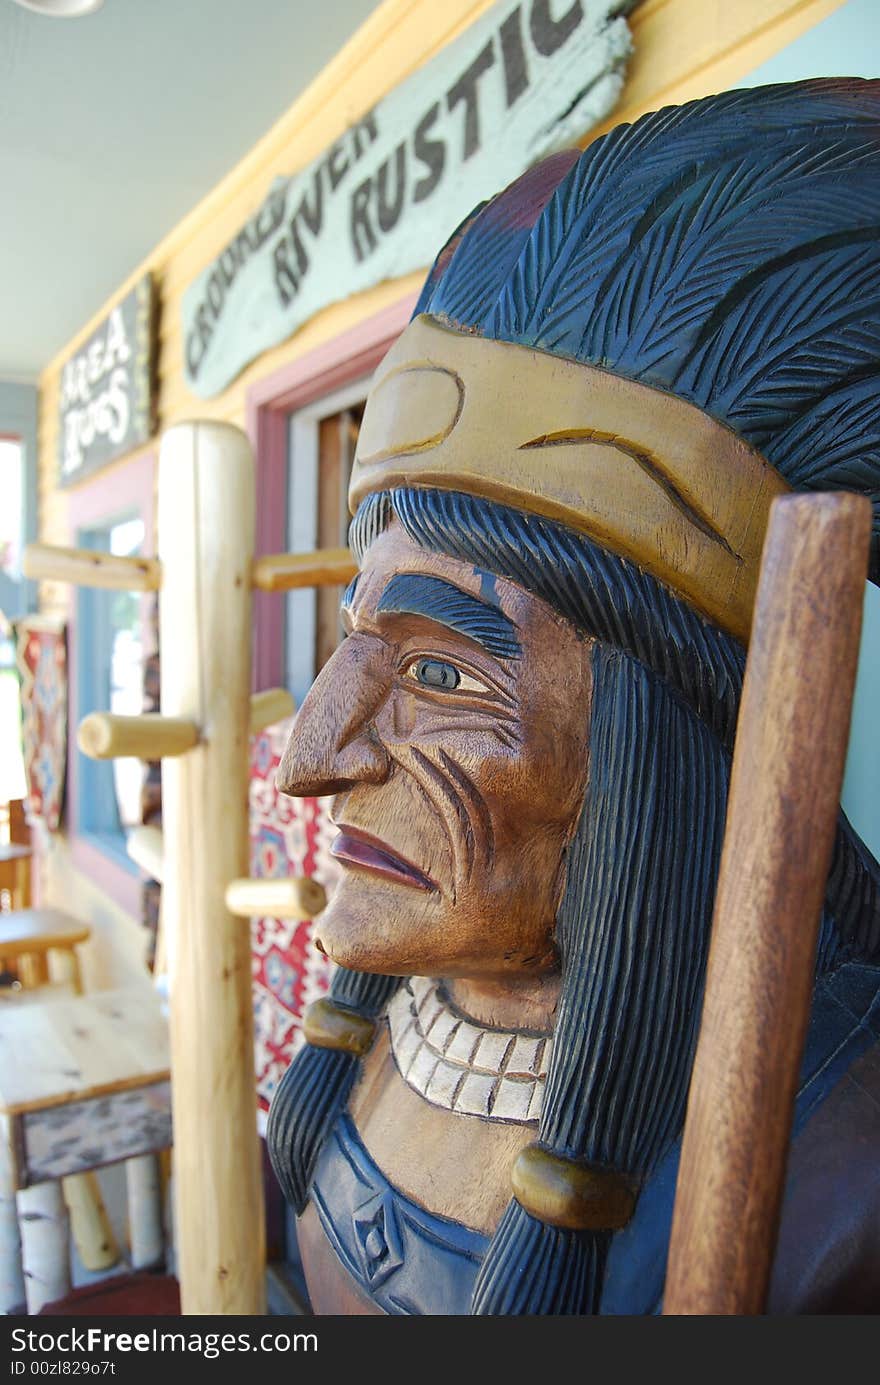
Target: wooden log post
[[206, 525], [782, 811]]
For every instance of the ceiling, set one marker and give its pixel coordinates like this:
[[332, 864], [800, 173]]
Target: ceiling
[[113, 126]]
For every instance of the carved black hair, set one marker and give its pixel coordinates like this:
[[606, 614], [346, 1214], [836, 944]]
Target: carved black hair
[[314, 1091]]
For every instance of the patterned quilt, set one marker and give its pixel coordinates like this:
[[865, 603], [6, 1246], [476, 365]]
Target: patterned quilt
[[41, 654], [289, 836]]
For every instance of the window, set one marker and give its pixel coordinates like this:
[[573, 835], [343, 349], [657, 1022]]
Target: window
[[12, 509], [110, 635], [110, 675], [322, 440], [12, 780]]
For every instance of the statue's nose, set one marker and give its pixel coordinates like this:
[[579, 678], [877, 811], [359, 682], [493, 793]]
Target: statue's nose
[[334, 743]]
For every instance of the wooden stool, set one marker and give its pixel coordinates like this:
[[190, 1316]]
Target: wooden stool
[[15, 875], [27, 936], [83, 1082]]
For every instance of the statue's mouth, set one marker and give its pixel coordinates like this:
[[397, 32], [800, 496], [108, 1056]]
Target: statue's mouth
[[356, 848]]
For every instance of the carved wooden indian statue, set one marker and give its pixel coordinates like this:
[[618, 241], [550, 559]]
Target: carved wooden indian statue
[[561, 491]]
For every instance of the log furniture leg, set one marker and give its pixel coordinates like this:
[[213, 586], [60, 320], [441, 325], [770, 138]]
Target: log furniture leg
[[89, 1224], [12, 1294], [45, 1244], [146, 1238]]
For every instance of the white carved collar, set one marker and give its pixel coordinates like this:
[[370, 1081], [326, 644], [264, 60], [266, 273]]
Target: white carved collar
[[454, 1063]]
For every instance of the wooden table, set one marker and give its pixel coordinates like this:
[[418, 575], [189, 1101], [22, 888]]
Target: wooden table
[[15, 873], [27, 936], [83, 1082]]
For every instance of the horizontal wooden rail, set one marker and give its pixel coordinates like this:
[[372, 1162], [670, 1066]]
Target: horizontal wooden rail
[[279, 899], [84, 567], [275, 704], [326, 567], [103, 736], [146, 847]]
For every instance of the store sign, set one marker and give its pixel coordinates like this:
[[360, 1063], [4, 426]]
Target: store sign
[[525, 80], [107, 388]]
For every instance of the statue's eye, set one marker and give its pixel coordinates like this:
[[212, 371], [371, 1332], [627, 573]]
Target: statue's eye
[[435, 673], [441, 676]]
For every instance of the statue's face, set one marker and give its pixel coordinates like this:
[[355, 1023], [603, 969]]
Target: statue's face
[[451, 726]]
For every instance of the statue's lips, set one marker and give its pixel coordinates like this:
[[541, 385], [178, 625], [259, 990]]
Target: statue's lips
[[356, 848]]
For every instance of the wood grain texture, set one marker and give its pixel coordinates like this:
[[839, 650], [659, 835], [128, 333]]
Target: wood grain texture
[[91, 1045], [206, 529], [784, 796]]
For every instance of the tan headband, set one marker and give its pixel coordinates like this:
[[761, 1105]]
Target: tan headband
[[646, 474]]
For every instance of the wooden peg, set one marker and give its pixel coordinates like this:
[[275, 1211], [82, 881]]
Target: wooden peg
[[280, 572], [781, 817], [104, 736], [275, 704], [83, 567], [146, 847], [290, 898]]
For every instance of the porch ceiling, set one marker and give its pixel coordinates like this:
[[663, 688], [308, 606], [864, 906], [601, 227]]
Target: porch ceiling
[[113, 126]]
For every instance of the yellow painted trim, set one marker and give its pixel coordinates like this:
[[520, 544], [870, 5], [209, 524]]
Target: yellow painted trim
[[730, 39]]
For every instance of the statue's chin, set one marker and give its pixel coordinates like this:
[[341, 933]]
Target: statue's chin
[[377, 925], [393, 928]]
